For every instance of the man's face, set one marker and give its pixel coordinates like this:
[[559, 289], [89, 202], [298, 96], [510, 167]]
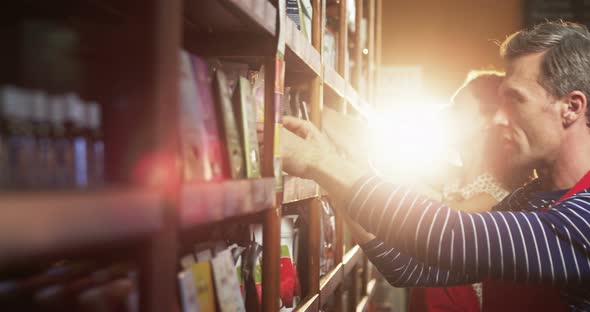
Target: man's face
[[528, 118]]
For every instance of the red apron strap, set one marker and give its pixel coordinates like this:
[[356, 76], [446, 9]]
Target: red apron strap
[[583, 184]]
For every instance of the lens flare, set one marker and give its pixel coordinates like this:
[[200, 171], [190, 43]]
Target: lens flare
[[411, 142]]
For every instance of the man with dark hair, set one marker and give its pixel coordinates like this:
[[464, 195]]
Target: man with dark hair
[[539, 233]]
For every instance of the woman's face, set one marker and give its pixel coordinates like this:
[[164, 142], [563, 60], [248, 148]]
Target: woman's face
[[467, 122]]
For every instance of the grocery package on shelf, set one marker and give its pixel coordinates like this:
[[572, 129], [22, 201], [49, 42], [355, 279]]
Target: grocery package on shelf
[[306, 15], [228, 127], [73, 286], [49, 141], [212, 277], [251, 276], [244, 110], [220, 104], [294, 103], [227, 285], [196, 165], [199, 129], [188, 291], [202, 282], [257, 80], [212, 148], [290, 289], [301, 13], [327, 237], [232, 70], [293, 12]]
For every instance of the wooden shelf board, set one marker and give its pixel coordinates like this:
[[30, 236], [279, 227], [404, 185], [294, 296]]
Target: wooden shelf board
[[354, 100], [334, 81], [352, 96], [363, 305], [111, 10], [297, 189], [35, 224], [300, 52], [262, 12], [352, 257], [329, 282], [311, 304], [229, 16], [371, 287], [202, 203]]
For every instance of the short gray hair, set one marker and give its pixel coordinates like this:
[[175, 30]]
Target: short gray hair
[[566, 64]]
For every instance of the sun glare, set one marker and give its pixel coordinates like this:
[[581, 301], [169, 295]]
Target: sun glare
[[412, 141]]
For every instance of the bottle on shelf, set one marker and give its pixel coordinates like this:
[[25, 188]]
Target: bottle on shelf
[[18, 134], [75, 122], [63, 152], [95, 152], [4, 135], [43, 163]]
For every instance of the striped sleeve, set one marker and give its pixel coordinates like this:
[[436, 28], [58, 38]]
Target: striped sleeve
[[528, 246], [401, 270]]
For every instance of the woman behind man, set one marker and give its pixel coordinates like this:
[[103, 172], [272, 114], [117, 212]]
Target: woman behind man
[[482, 181]]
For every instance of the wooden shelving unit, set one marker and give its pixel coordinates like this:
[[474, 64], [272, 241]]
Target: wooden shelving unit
[[309, 304], [205, 203], [352, 258], [334, 81], [154, 218], [300, 53], [330, 282], [32, 225], [296, 189], [363, 305]]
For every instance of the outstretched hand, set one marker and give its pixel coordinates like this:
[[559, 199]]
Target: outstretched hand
[[308, 153], [348, 134], [302, 145], [303, 128]]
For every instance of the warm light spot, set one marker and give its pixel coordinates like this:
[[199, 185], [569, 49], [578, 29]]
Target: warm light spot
[[158, 170], [410, 141], [365, 51]]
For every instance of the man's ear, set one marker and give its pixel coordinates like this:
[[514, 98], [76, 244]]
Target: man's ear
[[574, 108]]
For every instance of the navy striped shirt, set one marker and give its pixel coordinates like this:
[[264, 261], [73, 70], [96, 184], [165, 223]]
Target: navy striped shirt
[[421, 242]]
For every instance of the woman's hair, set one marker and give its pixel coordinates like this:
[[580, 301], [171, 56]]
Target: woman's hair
[[484, 86]]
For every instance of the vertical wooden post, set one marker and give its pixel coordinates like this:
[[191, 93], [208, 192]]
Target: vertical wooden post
[[271, 235], [317, 39], [272, 219], [343, 49], [378, 48], [358, 52], [338, 256], [314, 212], [271, 256], [365, 276], [372, 53], [342, 107], [158, 275]]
